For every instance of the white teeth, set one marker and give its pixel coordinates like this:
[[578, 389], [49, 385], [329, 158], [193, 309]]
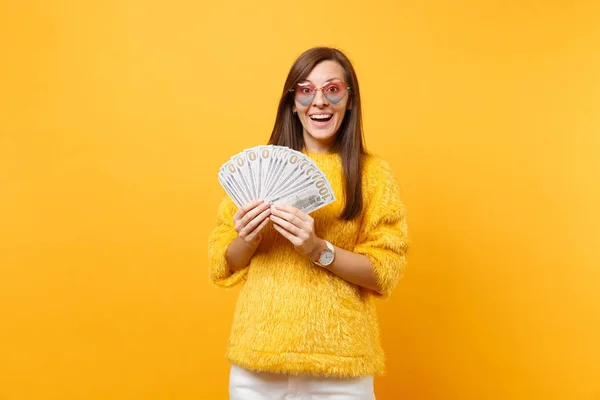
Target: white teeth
[[320, 116]]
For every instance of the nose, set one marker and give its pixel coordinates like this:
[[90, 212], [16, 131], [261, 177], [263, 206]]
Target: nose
[[319, 100]]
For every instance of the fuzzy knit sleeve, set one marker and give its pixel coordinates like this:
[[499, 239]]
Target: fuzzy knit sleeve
[[218, 241], [383, 235]]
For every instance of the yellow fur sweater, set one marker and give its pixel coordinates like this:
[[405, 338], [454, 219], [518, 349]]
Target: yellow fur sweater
[[297, 318]]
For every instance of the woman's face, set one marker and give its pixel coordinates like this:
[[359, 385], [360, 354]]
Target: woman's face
[[322, 117]]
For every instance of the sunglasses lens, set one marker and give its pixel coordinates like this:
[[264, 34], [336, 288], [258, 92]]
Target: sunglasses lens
[[335, 92], [304, 93]]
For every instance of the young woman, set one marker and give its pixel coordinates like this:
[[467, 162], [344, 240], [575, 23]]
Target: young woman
[[305, 323]]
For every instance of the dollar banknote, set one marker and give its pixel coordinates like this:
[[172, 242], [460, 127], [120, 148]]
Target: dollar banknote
[[277, 174]]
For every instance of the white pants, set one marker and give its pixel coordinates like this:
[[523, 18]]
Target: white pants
[[250, 385]]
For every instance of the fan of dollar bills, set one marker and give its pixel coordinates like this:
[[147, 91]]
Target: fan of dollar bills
[[277, 174]]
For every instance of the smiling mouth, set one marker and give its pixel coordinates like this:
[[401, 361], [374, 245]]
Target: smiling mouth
[[321, 117]]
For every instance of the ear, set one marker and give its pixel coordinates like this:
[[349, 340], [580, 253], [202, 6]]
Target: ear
[[294, 111], [349, 105]]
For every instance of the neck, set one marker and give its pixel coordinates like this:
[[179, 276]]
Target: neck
[[317, 146]]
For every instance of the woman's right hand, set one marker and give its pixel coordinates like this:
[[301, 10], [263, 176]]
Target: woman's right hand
[[250, 219]]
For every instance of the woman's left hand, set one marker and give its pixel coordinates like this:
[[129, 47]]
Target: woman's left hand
[[297, 227]]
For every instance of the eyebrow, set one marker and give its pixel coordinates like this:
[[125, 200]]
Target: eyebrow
[[327, 81]]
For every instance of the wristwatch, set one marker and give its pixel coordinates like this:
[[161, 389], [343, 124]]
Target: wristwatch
[[327, 256]]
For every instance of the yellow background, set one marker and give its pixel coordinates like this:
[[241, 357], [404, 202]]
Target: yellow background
[[115, 117]]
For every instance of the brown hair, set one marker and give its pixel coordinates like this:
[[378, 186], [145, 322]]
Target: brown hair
[[349, 141]]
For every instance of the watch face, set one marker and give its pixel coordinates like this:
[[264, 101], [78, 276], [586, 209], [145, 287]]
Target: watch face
[[326, 257]]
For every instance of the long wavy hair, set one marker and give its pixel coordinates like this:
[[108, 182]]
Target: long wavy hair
[[349, 141]]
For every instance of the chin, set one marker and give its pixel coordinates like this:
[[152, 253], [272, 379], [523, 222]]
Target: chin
[[322, 136]]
